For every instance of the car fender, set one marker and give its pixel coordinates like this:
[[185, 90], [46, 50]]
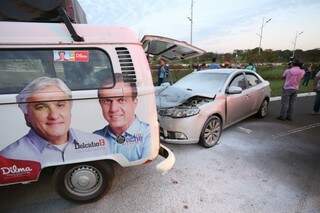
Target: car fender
[[217, 107]]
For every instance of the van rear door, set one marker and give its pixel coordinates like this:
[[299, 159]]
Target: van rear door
[[168, 48]]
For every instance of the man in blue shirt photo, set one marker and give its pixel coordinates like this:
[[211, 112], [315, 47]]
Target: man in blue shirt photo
[[46, 105], [126, 133]]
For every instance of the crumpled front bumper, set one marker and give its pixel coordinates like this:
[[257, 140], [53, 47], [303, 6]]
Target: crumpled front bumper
[[165, 165]]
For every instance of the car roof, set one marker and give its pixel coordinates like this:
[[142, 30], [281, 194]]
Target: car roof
[[226, 71], [57, 33]]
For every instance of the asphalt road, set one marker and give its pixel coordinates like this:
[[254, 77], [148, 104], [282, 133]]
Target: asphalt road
[[259, 166]]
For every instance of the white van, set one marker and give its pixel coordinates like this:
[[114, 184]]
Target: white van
[[77, 98]]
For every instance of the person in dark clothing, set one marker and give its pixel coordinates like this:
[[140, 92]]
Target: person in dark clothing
[[307, 76], [316, 106], [163, 72], [214, 65]]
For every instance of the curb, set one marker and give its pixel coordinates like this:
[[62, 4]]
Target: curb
[[299, 95]]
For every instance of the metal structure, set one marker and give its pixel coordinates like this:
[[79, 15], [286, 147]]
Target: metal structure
[[191, 22], [295, 42], [261, 32]]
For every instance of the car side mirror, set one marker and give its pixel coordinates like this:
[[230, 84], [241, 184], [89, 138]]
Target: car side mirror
[[234, 90]]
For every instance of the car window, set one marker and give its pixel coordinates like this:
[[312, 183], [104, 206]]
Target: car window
[[239, 81], [79, 69], [252, 80]]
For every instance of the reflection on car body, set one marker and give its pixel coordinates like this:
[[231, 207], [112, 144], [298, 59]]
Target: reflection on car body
[[198, 106]]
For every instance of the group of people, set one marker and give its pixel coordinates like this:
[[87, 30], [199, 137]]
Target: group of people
[[163, 71], [46, 104], [292, 78], [226, 64], [213, 65]]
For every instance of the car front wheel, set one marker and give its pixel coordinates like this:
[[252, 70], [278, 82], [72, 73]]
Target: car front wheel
[[211, 132], [264, 109], [84, 182]]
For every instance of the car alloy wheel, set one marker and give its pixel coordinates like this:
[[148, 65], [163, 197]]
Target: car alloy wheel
[[264, 109], [211, 131]]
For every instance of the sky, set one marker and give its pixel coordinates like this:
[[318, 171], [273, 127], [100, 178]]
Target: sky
[[218, 26]]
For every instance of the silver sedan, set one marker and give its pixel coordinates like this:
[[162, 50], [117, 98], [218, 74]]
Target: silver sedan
[[197, 107]]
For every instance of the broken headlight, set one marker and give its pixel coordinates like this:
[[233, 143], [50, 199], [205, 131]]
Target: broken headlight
[[179, 112]]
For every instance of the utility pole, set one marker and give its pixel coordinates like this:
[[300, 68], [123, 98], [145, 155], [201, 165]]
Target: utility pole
[[261, 32], [191, 21], [295, 42]]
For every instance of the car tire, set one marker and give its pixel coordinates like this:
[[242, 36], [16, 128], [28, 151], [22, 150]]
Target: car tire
[[211, 132], [84, 182], [264, 109]]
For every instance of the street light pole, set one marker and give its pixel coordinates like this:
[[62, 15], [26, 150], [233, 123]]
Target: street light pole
[[191, 21], [295, 42], [261, 32]]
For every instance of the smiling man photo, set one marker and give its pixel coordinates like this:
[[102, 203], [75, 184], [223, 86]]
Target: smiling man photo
[[126, 133]]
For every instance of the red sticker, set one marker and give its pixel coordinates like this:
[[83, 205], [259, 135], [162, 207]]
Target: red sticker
[[81, 56], [17, 171]]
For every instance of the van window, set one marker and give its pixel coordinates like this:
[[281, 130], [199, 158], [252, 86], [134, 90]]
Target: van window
[[80, 69]]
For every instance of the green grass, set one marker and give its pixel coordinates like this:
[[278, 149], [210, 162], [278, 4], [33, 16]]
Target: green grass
[[271, 73], [276, 87], [274, 75]]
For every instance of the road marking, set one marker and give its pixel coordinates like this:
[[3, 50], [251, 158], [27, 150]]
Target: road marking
[[245, 130], [292, 131]]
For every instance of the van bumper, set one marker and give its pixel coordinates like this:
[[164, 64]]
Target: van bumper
[[165, 165]]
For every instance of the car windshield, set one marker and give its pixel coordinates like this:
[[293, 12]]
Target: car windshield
[[197, 81]]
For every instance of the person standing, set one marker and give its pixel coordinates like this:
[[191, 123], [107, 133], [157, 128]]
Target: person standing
[[214, 64], [316, 106], [307, 75], [292, 78], [163, 71]]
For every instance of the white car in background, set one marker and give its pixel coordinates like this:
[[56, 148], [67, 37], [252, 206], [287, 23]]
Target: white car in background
[[197, 107]]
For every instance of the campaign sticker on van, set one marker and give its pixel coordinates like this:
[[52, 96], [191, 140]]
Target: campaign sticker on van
[[13, 171], [81, 55], [71, 55], [62, 55]]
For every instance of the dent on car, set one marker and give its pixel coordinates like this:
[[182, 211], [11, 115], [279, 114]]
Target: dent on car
[[173, 96], [178, 103]]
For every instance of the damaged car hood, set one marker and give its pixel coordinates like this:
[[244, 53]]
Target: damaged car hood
[[172, 96]]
